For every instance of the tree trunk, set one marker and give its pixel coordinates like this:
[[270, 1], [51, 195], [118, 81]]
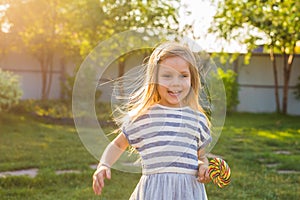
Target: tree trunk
[[46, 65], [43, 66], [62, 78], [287, 68], [273, 60], [49, 74]]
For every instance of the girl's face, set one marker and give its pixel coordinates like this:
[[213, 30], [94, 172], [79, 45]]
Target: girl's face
[[174, 81]]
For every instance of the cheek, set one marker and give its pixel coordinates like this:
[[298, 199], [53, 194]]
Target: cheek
[[163, 83], [161, 89], [188, 83]]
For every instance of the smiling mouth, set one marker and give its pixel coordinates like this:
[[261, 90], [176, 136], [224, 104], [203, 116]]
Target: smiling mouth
[[174, 93]]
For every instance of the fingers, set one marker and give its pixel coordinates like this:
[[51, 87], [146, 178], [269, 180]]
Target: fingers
[[98, 179], [203, 175], [96, 185]]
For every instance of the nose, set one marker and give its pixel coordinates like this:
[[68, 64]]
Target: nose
[[176, 81]]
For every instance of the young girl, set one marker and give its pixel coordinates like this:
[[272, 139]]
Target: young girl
[[169, 129]]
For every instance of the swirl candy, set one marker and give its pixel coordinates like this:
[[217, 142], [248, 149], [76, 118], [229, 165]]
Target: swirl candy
[[219, 172]]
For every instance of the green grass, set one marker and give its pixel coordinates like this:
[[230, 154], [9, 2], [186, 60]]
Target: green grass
[[249, 142]]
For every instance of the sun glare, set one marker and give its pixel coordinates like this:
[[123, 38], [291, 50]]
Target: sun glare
[[5, 26], [3, 7], [201, 15]]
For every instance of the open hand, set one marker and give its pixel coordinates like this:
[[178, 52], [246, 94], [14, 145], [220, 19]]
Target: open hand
[[98, 178]]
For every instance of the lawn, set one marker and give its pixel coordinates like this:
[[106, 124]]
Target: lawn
[[262, 150]]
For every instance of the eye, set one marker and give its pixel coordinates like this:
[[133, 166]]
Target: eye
[[166, 75], [184, 75]]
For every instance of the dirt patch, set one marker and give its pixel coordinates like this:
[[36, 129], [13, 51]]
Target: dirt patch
[[288, 172], [24, 172], [67, 172], [271, 165], [283, 152]]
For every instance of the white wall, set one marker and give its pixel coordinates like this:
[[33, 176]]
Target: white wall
[[30, 74], [256, 92], [256, 81]]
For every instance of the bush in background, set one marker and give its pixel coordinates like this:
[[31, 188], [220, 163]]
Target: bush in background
[[57, 110], [231, 88], [10, 91], [45, 108]]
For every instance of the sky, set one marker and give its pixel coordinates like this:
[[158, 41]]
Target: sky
[[202, 12]]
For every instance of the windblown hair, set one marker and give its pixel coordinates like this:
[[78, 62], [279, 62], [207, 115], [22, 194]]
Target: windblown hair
[[145, 93]]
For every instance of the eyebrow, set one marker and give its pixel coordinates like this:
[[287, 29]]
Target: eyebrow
[[172, 70], [185, 72]]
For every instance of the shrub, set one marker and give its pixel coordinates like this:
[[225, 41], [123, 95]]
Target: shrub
[[231, 88], [56, 110], [45, 108], [10, 91]]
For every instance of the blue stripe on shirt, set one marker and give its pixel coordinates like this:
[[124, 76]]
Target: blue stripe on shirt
[[161, 125], [163, 133], [169, 153], [172, 164], [186, 110], [153, 124], [164, 143]]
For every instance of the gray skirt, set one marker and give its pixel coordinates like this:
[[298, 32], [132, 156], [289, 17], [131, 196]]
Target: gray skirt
[[169, 186]]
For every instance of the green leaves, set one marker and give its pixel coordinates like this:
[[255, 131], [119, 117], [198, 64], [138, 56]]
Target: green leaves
[[70, 29], [10, 91], [231, 87], [278, 20], [77, 26]]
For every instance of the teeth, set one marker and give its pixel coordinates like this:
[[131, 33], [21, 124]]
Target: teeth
[[175, 92]]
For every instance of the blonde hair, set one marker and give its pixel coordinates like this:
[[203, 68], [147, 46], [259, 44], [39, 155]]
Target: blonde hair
[[147, 94]]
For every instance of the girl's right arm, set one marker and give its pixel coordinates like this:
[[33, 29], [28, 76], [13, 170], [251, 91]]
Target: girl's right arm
[[110, 155]]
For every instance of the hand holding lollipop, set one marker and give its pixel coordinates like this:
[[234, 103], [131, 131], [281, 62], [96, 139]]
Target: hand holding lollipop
[[219, 172]]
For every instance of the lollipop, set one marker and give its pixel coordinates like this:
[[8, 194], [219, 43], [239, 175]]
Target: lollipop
[[219, 172]]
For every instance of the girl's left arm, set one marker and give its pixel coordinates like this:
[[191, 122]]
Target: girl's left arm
[[203, 175]]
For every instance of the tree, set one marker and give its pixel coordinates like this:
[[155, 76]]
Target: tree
[[131, 15], [73, 28], [38, 32], [117, 17], [273, 23]]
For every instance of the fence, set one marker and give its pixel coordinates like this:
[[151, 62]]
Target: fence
[[256, 80]]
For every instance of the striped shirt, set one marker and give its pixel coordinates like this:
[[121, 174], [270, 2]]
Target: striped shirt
[[168, 139]]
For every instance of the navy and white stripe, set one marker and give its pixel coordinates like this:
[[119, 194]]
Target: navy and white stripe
[[168, 139]]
